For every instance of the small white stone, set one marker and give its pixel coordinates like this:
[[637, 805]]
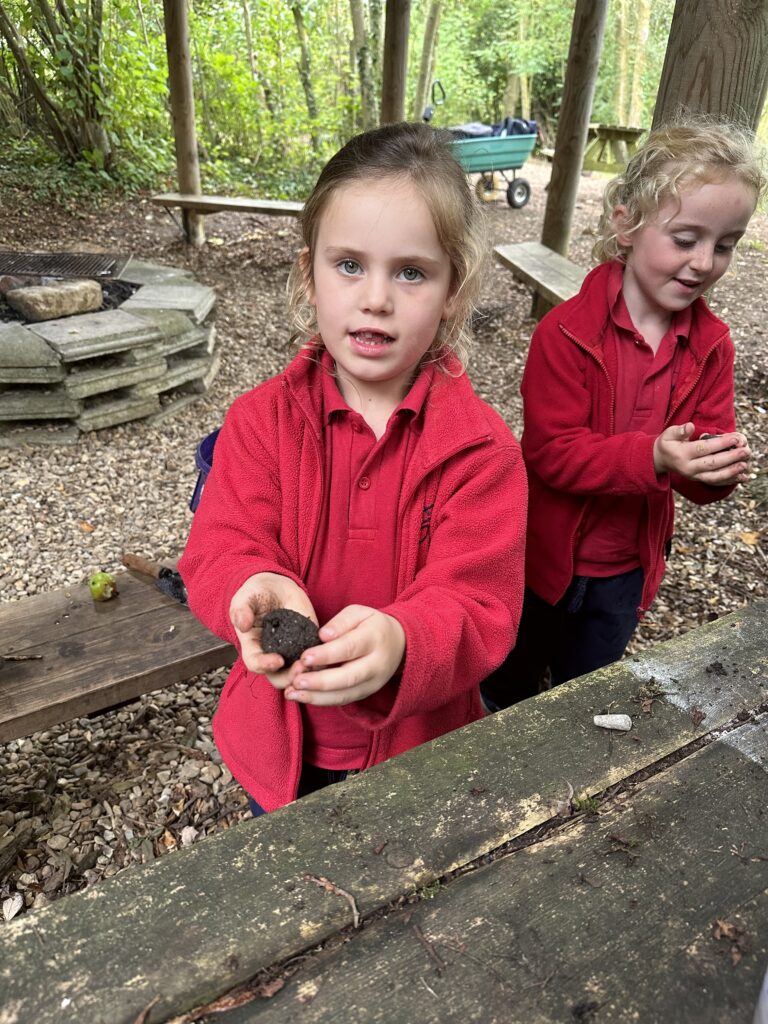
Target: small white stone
[[623, 723]]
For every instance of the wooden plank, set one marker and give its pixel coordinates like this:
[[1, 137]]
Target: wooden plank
[[546, 272], [90, 656], [60, 614], [181, 931], [232, 204], [612, 918]]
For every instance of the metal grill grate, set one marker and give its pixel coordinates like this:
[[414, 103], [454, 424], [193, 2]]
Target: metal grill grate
[[61, 264]]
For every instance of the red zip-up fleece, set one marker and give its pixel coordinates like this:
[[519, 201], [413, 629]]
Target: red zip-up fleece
[[459, 573], [571, 450]]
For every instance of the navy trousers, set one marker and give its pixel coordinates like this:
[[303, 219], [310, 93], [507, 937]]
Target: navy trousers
[[589, 627], [312, 778]]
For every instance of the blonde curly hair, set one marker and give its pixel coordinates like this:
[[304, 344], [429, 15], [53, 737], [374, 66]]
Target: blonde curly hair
[[691, 149], [421, 155]]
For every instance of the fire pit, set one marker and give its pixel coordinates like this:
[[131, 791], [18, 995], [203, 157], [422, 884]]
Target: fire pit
[[147, 352]]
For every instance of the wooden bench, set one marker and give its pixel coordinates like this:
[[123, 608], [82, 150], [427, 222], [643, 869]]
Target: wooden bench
[[552, 277], [232, 204], [79, 656], [482, 900]]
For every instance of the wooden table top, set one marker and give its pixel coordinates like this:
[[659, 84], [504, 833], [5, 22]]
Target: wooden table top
[[446, 886]]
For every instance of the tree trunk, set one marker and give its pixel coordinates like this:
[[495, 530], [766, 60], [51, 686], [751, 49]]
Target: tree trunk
[[622, 64], [511, 94], [361, 47], [428, 47], [395, 69], [305, 70], [578, 92], [51, 112], [641, 45], [525, 92], [376, 10], [183, 111], [249, 39], [716, 61]]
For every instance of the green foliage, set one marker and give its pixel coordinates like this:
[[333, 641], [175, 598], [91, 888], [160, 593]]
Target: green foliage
[[107, 81]]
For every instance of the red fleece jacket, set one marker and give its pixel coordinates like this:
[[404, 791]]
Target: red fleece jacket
[[570, 447], [459, 572]]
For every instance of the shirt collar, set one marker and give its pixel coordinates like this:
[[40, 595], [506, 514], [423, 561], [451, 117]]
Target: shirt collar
[[680, 325], [333, 400]]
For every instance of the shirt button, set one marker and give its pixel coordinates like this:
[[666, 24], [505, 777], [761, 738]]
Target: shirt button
[[364, 483]]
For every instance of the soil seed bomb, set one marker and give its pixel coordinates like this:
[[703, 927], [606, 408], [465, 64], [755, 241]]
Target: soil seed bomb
[[288, 634]]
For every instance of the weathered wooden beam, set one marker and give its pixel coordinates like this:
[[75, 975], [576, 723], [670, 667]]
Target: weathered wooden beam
[[187, 928], [573, 122], [716, 61], [395, 64], [233, 204], [183, 110]]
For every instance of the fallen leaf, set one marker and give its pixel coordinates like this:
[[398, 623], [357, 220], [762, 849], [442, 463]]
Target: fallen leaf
[[697, 717], [188, 835], [86, 527], [749, 537], [168, 840], [12, 906]]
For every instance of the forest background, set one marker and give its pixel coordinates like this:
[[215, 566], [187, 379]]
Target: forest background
[[281, 84]]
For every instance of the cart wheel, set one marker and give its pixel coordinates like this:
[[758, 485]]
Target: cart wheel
[[485, 188], [518, 193]]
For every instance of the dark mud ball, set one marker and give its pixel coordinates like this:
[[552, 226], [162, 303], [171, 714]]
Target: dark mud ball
[[287, 633]]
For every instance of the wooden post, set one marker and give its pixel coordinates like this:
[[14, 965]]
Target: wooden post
[[573, 122], [395, 68], [183, 111], [716, 61]]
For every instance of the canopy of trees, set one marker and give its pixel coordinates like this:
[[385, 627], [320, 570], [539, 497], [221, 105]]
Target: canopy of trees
[[279, 84]]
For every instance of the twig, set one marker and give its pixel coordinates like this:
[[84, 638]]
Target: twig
[[426, 986], [431, 952], [329, 886], [21, 657]]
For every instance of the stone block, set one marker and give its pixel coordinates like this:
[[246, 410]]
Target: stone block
[[143, 272], [37, 404], [110, 374], [180, 371], [51, 301], [170, 322], [95, 334], [197, 340], [197, 300], [25, 358], [13, 435], [110, 411]]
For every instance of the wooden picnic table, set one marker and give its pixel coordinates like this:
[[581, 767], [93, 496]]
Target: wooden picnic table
[[78, 656], [451, 884]]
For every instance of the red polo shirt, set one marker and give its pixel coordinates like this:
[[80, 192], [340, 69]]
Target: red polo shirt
[[355, 554], [645, 380]]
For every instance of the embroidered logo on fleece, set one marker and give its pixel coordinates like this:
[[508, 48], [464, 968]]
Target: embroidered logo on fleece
[[426, 519]]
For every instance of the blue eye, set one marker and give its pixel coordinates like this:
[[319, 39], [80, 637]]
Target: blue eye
[[411, 274], [349, 267]]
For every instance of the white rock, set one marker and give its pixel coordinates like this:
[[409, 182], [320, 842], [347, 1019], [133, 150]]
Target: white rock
[[622, 723]]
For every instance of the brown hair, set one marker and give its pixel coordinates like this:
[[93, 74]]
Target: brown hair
[[692, 149], [421, 155]]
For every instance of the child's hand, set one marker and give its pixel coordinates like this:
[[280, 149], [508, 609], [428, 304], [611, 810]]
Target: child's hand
[[362, 649], [717, 461], [260, 594]]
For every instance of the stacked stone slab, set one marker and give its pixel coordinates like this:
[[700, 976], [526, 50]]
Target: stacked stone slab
[[145, 360]]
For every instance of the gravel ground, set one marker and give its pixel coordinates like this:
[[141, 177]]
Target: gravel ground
[[88, 798]]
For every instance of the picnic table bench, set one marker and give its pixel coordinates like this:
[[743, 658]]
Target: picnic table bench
[[62, 655], [550, 276], [452, 883], [233, 204]]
